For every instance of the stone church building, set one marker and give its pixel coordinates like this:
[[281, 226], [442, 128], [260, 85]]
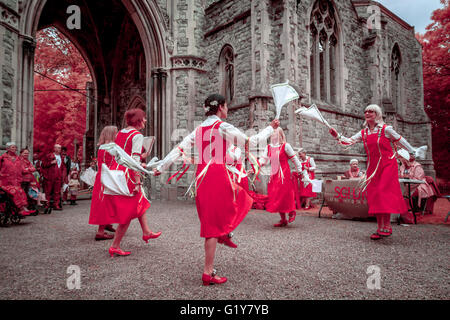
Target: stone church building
[[166, 56]]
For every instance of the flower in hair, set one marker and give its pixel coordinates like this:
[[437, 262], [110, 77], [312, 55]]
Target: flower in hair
[[206, 108], [214, 103]]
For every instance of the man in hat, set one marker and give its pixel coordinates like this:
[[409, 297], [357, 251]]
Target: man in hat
[[11, 170], [55, 175], [354, 172]]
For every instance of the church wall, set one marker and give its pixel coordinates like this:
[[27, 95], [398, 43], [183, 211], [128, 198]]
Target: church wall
[[238, 35]]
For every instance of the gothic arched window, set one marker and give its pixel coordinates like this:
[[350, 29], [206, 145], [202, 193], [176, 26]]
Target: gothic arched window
[[396, 61], [226, 62], [324, 53]]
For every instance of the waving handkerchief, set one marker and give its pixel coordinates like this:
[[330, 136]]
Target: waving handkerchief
[[312, 113], [153, 163], [420, 152], [282, 93]]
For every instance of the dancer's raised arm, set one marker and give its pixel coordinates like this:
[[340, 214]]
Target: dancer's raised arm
[[226, 130]]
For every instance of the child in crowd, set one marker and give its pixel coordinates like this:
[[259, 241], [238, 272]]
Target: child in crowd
[[74, 186]]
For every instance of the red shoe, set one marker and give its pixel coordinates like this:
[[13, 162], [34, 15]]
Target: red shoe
[[109, 227], [119, 252], [151, 236], [282, 223], [375, 236], [105, 236], [211, 279], [292, 216], [226, 240], [26, 212], [385, 232]]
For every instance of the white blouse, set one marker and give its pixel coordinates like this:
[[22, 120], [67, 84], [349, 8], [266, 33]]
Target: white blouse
[[289, 151], [389, 133], [226, 131]]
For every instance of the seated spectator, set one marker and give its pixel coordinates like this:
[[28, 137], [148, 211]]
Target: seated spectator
[[11, 170], [411, 169], [354, 172]]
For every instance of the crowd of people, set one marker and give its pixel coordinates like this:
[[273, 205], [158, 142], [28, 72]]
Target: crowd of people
[[221, 183], [46, 182]]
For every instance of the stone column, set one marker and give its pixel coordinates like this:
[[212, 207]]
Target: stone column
[[25, 101], [90, 138], [158, 122], [10, 48]]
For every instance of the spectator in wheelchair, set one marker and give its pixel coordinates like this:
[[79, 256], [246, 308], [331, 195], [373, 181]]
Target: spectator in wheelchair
[[11, 171]]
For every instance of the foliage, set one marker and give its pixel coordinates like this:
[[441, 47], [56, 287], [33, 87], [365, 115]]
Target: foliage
[[59, 113], [436, 71]]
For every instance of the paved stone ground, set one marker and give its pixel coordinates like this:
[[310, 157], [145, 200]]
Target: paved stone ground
[[311, 259]]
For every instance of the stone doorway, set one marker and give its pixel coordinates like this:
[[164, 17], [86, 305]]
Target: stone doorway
[[121, 42]]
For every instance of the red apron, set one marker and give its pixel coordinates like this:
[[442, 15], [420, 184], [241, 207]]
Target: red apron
[[221, 203], [384, 194]]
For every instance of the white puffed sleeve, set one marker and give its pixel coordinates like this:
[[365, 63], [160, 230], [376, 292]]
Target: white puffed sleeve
[[264, 159], [176, 153], [293, 156], [391, 134], [234, 135], [350, 141], [136, 149]]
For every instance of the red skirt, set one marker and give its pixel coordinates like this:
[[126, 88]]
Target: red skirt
[[108, 209], [281, 194], [307, 192], [384, 194], [220, 209]]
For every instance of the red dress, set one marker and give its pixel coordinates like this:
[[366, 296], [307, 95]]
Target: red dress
[[307, 192], [280, 188], [384, 194], [108, 209], [221, 203]]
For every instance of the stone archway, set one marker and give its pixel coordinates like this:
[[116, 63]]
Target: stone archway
[[105, 21], [135, 103]]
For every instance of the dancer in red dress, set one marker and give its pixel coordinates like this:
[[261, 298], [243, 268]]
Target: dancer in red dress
[[306, 193], [280, 188], [101, 208], [384, 195], [121, 209], [221, 203]]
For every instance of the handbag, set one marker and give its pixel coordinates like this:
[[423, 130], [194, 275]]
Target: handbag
[[114, 182]]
